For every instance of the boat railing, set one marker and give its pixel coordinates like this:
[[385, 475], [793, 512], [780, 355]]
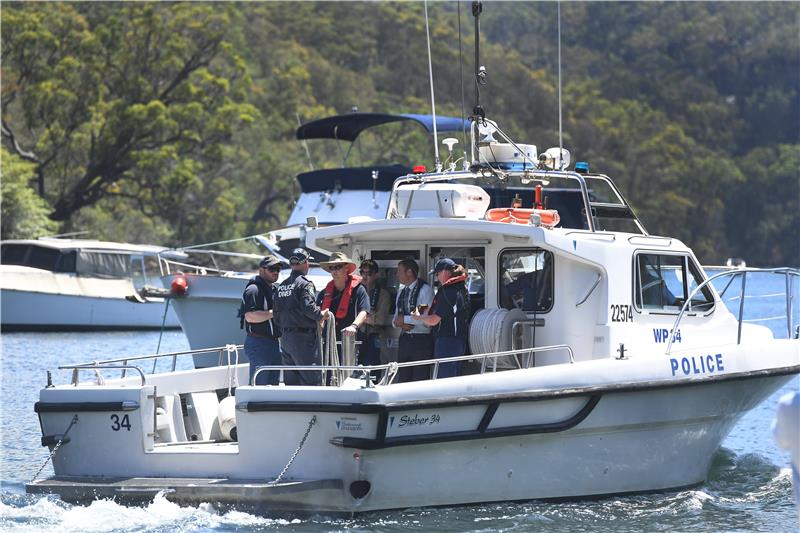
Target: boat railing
[[167, 266], [791, 275], [228, 352], [391, 369]]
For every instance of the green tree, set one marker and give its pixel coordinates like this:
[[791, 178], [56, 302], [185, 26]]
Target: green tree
[[132, 104], [25, 214]]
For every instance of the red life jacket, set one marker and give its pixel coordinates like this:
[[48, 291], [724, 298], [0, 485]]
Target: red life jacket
[[344, 302]]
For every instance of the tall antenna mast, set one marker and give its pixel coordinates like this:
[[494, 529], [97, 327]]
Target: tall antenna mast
[[560, 136], [478, 114], [433, 99]]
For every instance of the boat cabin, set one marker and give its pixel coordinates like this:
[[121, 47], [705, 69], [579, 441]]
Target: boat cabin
[[579, 281], [86, 259]]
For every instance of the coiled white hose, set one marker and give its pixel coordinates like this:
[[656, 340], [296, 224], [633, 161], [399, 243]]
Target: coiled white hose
[[490, 331]]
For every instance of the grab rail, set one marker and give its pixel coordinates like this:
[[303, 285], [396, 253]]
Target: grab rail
[[789, 274], [391, 368], [77, 368], [111, 363]]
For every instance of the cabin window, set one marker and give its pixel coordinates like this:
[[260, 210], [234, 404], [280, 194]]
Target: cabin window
[[66, 262], [44, 258], [663, 282], [102, 264], [526, 280], [13, 254], [472, 258]]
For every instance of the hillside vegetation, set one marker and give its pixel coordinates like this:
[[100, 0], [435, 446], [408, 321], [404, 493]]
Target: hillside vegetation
[[174, 123]]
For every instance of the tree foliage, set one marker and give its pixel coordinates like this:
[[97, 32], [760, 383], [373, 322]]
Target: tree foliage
[[174, 122], [25, 214]]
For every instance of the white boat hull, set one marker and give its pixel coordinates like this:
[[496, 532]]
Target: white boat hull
[[561, 431], [40, 311]]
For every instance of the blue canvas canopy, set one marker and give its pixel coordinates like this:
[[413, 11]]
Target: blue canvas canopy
[[348, 127]]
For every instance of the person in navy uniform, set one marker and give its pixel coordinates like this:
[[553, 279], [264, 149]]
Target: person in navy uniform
[[416, 341], [261, 344], [298, 316], [344, 296], [449, 315]]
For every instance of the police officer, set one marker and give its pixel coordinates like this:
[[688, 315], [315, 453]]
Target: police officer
[[261, 344], [298, 315]]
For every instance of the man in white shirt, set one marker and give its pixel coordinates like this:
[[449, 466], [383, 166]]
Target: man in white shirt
[[416, 341]]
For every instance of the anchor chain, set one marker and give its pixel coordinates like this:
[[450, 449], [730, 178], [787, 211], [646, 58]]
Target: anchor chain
[[55, 449], [297, 451]]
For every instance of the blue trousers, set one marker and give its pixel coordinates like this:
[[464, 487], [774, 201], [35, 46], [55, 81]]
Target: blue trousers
[[449, 347], [262, 351]]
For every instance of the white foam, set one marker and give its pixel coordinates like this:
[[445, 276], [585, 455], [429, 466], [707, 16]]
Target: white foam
[[105, 516]]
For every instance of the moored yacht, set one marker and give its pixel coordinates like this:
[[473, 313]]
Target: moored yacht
[[53, 284]]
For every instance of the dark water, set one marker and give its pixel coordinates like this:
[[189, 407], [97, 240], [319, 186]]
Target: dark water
[[748, 488]]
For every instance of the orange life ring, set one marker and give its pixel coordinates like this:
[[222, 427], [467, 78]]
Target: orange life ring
[[518, 215]]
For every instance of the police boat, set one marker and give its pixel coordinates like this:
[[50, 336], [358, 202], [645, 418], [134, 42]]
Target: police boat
[[601, 361]]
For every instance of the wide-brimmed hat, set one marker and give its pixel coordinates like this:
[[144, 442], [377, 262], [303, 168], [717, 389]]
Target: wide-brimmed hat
[[338, 258]]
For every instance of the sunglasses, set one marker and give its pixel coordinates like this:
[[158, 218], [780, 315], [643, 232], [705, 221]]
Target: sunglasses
[[334, 268]]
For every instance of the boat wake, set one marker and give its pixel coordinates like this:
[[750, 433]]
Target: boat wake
[[26, 513], [740, 492]]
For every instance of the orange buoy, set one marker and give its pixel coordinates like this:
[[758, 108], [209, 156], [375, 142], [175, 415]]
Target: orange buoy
[[517, 215]]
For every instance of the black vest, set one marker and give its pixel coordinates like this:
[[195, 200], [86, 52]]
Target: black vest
[[266, 295]]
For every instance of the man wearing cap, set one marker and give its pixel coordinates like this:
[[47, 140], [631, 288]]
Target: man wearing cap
[[416, 341], [261, 344], [298, 316], [344, 296]]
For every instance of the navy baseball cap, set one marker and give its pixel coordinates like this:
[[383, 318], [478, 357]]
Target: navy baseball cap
[[299, 256], [269, 261], [444, 264]]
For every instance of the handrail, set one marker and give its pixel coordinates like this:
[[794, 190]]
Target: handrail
[[591, 290], [788, 272], [78, 368], [394, 366], [124, 360]]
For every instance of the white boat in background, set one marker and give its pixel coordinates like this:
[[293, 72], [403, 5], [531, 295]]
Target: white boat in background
[[52, 284]]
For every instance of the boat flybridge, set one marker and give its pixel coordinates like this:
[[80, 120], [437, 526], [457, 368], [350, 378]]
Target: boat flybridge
[[601, 361]]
